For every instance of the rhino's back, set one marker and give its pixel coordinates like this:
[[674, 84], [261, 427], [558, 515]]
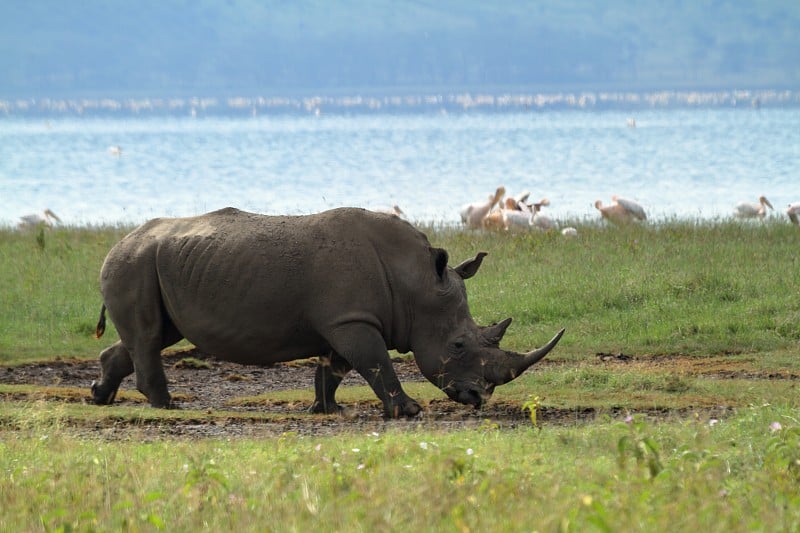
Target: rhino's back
[[240, 285]]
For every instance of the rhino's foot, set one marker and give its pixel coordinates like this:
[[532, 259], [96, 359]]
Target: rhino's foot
[[408, 409], [103, 395], [326, 408], [163, 403]]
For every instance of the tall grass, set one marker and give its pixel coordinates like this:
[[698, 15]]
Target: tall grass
[[679, 287], [49, 283]]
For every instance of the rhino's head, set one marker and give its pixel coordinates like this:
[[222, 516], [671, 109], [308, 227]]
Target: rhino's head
[[454, 353]]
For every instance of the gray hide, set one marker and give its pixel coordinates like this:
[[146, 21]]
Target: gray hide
[[345, 285]]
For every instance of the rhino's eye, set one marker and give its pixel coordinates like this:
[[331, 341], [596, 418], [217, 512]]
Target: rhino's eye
[[457, 347]]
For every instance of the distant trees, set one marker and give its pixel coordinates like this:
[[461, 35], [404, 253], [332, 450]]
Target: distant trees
[[113, 47]]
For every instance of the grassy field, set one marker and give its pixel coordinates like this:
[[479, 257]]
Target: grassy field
[[691, 303], [688, 288]]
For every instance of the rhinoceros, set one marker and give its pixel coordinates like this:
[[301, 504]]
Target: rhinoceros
[[345, 285]]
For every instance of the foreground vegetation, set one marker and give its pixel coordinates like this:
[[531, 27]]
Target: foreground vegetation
[[718, 297], [737, 474]]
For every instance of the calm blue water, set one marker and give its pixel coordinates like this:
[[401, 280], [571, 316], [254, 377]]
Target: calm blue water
[[677, 163]]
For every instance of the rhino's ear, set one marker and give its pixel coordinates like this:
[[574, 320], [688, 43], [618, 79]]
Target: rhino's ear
[[440, 258], [468, 268]]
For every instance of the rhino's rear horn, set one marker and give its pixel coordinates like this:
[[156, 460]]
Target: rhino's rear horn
[[494, 333]]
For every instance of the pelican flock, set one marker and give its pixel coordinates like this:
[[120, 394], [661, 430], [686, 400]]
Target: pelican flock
[[512, 213]]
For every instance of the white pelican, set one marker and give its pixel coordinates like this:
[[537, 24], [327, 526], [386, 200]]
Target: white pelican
[[537, 206], [526, 219], [794, 212], [35, 219], [522, 197], [472, 215], [394, 211], [496, 219], [569, 232], [621, 210], [542, 222], [753, 210], [514, 219]]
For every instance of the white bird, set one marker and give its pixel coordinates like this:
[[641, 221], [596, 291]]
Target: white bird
[[526, 219], [537, 206], [569, 232], [115, 150], [47, 218], [514, 220], [753, 210], [793, 210], [522, 197], [472, 215], [542, 222], [621, 210], [394, 211]]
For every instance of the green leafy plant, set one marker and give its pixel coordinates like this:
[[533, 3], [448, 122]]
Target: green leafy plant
[[532, 405], [641, 446]]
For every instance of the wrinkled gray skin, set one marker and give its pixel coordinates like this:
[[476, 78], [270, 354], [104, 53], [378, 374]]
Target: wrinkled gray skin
[[345, 285]]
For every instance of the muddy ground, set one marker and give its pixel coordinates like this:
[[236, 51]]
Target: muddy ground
[[204, 383]]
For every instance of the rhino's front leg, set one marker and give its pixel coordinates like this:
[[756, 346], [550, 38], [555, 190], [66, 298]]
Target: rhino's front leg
[[362, 346]]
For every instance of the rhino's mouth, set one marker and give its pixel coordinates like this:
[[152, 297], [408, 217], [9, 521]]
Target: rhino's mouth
[[473, 396]]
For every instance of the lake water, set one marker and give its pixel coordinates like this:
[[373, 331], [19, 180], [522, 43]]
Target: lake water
[[677, 163]]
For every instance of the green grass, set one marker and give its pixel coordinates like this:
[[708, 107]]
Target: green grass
[[682, 287], [709, 310], [51, 298], [730, 475], [679, 288]]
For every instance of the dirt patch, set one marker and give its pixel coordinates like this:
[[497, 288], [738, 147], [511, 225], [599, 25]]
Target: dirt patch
[[201, 382], [712, 367]]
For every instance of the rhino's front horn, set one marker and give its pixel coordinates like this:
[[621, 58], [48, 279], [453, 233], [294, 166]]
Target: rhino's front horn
[[516, 364]]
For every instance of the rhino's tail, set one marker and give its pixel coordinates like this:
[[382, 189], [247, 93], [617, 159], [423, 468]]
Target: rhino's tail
[[101, 324]]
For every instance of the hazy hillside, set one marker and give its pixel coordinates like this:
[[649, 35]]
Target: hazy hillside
[[214, 47]]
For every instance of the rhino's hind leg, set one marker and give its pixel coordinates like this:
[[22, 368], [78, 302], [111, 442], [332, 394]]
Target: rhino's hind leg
[[150, 377], [330, 372], [115, 365]]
